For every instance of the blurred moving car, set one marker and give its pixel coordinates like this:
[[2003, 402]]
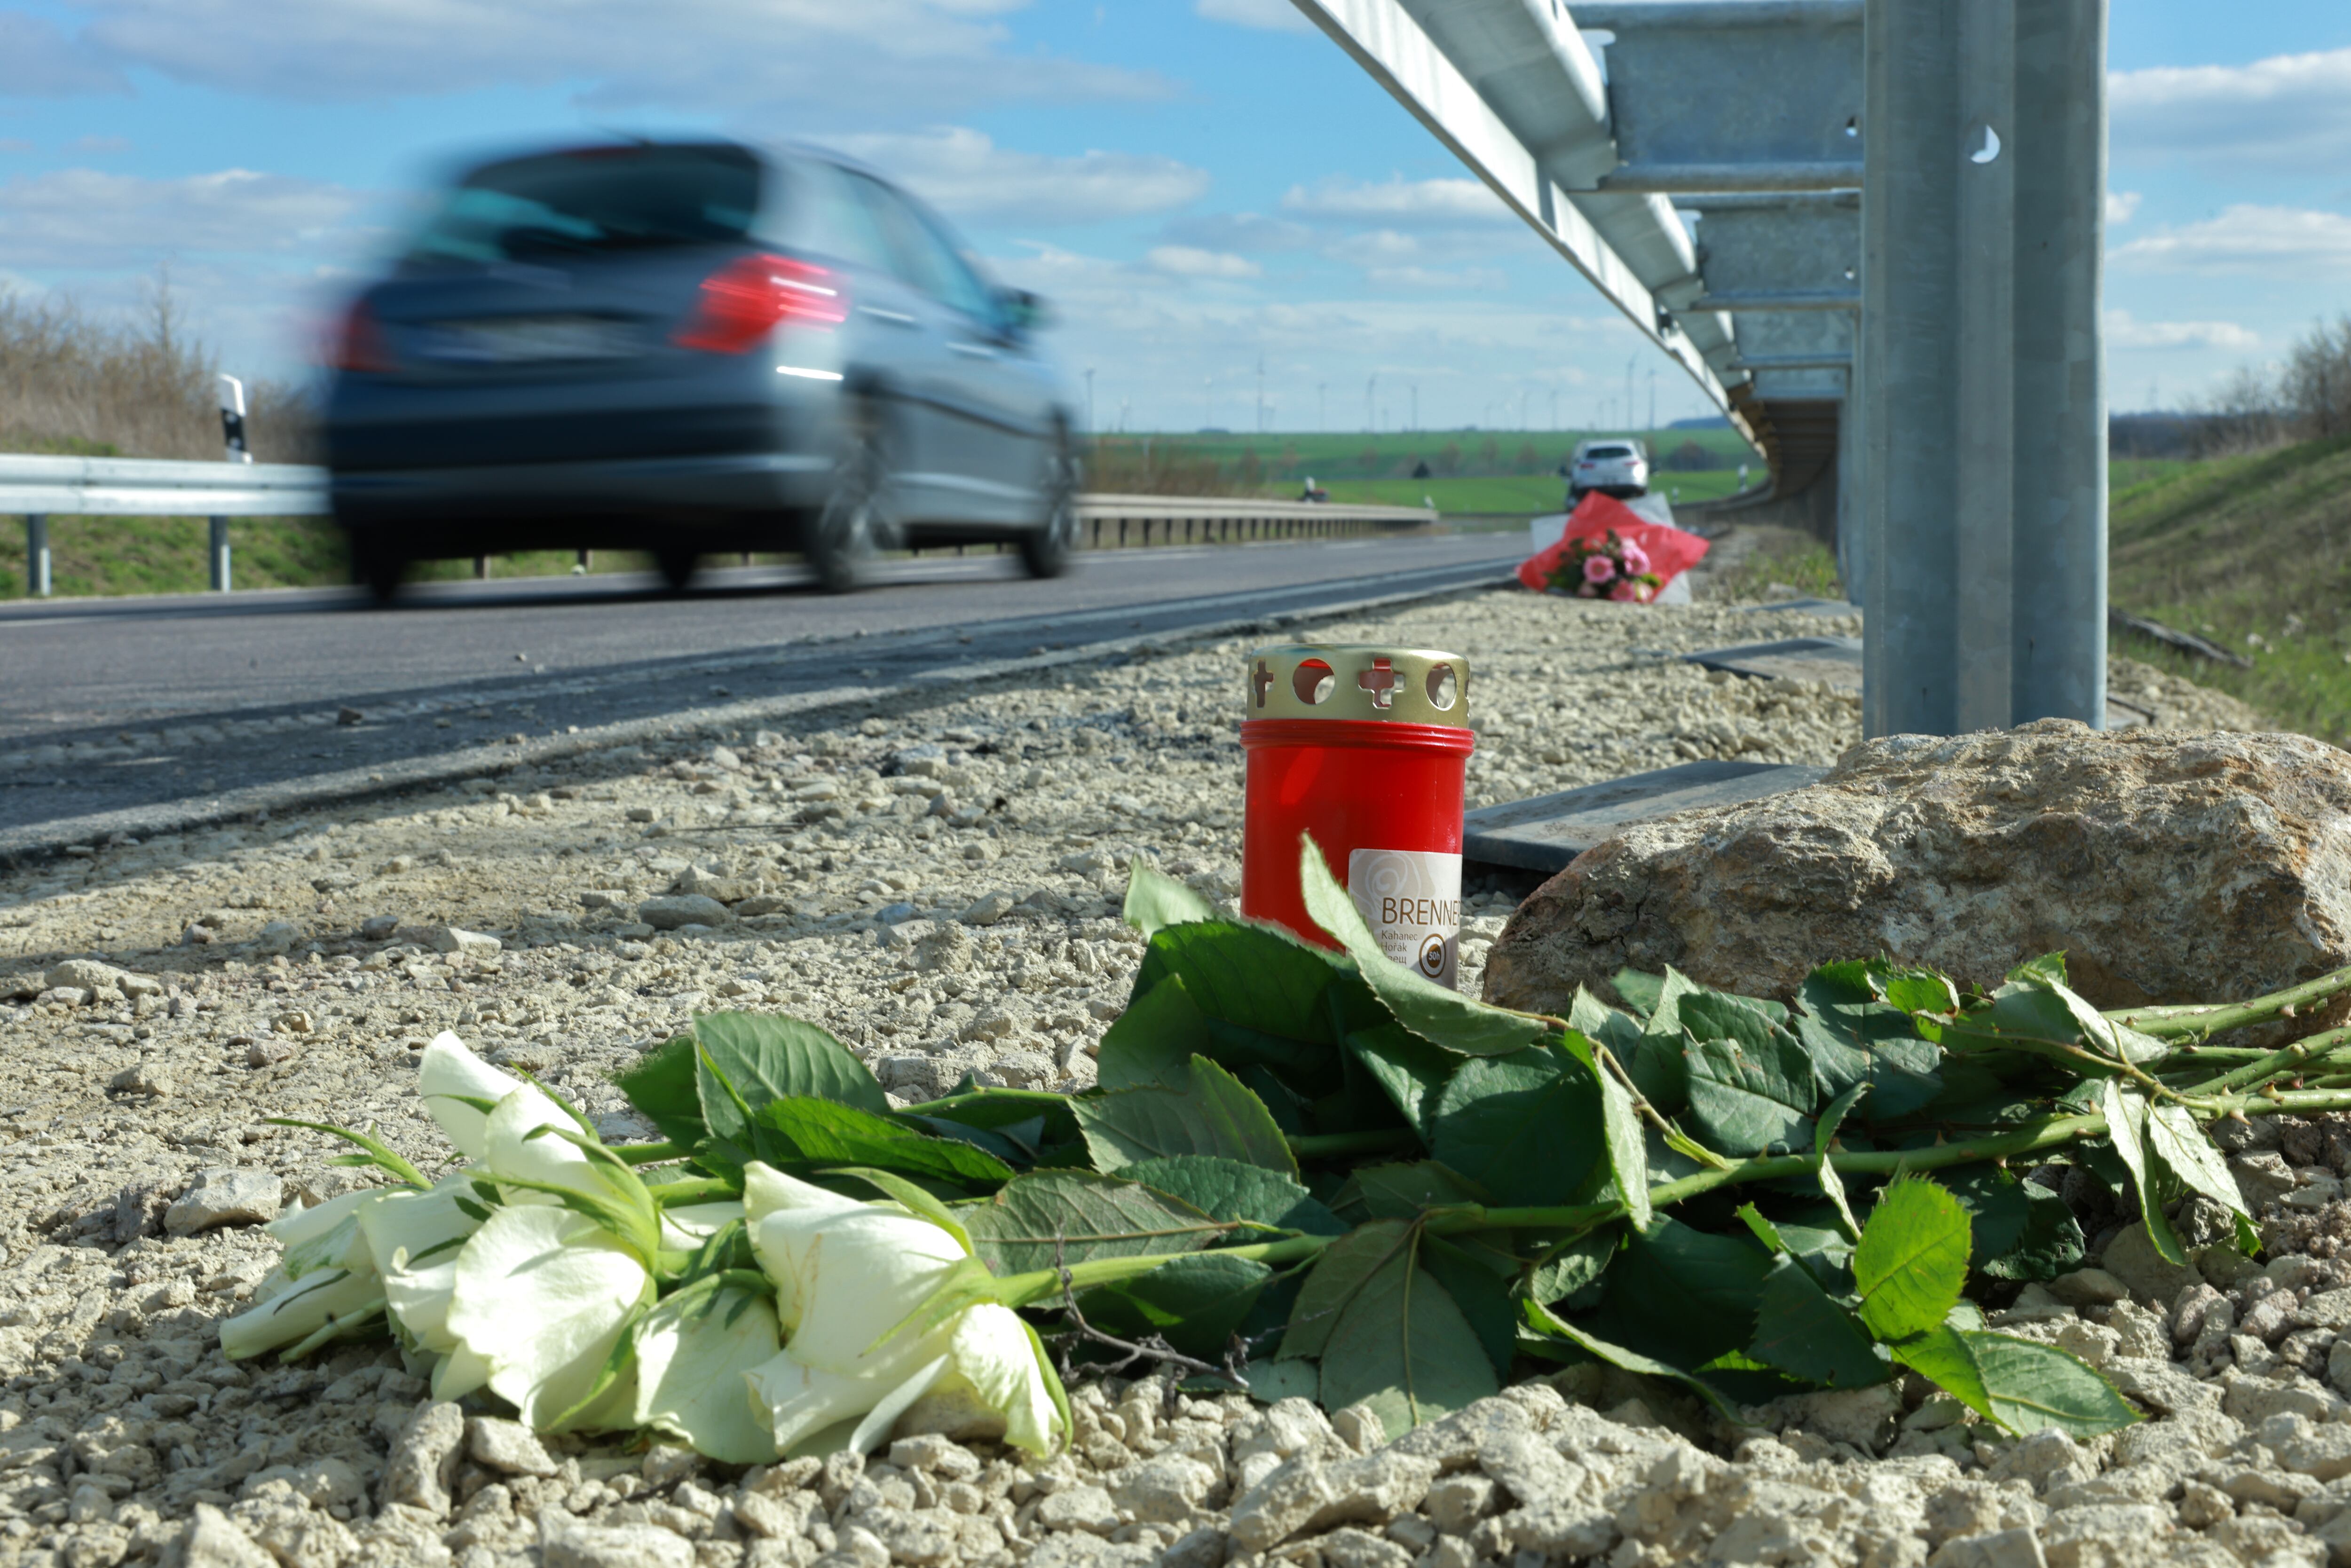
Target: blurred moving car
[[686, 348], [1618, 467]]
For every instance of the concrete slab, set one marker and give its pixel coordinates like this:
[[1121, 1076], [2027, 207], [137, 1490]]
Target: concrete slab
[[1809, 606], [1837, 660], [1544, 833]]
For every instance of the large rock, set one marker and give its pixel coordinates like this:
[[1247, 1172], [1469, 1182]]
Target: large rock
[[2169, 866]]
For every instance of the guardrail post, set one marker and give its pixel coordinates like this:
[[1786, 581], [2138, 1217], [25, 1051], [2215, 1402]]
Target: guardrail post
[[481, 566], [37, 555], [216, 554]]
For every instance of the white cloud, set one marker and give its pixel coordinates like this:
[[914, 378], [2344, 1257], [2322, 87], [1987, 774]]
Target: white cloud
[[1190, 261], [14, 144], [1473, 278], [1442, 203], [967, 174], [2284, 241], [1271, 16], [85, 219], [2288, 108], [2122, 206], [38, 60], [780, 56], [2124, 332], [1246, 232], [1375, 247]]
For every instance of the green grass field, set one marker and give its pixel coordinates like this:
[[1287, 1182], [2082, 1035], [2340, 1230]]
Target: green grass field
[[1463, 467], [2251, 552]]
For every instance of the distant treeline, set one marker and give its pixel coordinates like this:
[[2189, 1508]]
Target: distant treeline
[[2304, 397]]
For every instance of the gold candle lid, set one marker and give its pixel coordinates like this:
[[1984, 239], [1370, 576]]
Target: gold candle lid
[[1329, 680]]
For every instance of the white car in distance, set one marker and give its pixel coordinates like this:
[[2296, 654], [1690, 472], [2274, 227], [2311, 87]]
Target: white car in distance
[[1618, 467]]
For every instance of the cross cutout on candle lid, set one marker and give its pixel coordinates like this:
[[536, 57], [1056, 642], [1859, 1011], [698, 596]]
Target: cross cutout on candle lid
[[1382, 681], [1261, 683]]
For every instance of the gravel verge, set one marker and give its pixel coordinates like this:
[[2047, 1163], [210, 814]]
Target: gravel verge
[[935, 878]]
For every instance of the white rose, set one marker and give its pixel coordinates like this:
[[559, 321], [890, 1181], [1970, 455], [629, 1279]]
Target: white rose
[[327, 1278], [845, 1273]]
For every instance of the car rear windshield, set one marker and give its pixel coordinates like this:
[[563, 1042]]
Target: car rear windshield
[[597, 199], [1610, 452]]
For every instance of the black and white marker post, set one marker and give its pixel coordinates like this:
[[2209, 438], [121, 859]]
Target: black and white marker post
[[231, 407]]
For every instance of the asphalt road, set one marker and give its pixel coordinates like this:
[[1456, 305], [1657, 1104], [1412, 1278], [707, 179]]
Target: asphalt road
[[123, 705]]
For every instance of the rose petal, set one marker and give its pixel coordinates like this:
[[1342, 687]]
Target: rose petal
[[512, 1152], [541, 1295], [805, 1400], [327, 1234], [408, 1226], [298, 1311], [687, 1227], [692, 1363], [991, 1347], [889, 1262], [449, 1069]]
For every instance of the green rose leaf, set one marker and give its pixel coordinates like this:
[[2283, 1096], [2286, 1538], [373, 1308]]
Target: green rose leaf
[[2185, 1151], [1216, 1114], [1682, 1295], [1409, 1071], [1435, 1013], [2126, 1127], [1751, 1088], [757, 1059], [1799, 1331], [1912, 1261], [1154, 900], [662, 1086], [1194, 1302], [1401, 1344], [1526, 1127], [2020, 1385], [1048, 1218], [1152, 1043], [827, 1133], [1233, 1189], [1622, 1135], [1336, 1278]]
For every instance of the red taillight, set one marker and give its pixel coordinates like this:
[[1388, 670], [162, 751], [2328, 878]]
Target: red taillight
[[359, 344], [748, 298]]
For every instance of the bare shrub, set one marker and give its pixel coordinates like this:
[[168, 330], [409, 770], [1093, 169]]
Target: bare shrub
[[73, 381], [2305, 397]]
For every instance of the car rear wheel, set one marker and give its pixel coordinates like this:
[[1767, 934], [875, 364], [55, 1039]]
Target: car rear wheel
[[849, 528], [677, 567], [1046, 550], [1575, 495], [378, 567]]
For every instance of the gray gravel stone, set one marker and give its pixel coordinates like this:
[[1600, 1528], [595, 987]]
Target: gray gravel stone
[[422, 1464], [507, 1447], [616, 1546], [223, 1197], [670, 912]]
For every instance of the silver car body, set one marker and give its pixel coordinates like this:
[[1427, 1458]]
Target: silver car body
[[1616, 466], [529, 377]]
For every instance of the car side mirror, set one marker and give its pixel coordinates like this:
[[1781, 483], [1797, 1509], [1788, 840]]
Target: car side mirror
[[1022, 311]]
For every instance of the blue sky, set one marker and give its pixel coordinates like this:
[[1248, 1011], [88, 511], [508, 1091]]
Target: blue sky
[[1197, 184]]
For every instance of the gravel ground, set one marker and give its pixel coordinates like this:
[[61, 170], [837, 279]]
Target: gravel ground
[[938, 884]]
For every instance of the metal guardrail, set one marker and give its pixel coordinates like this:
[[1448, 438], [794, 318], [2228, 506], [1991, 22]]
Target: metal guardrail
[[39, 489]]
